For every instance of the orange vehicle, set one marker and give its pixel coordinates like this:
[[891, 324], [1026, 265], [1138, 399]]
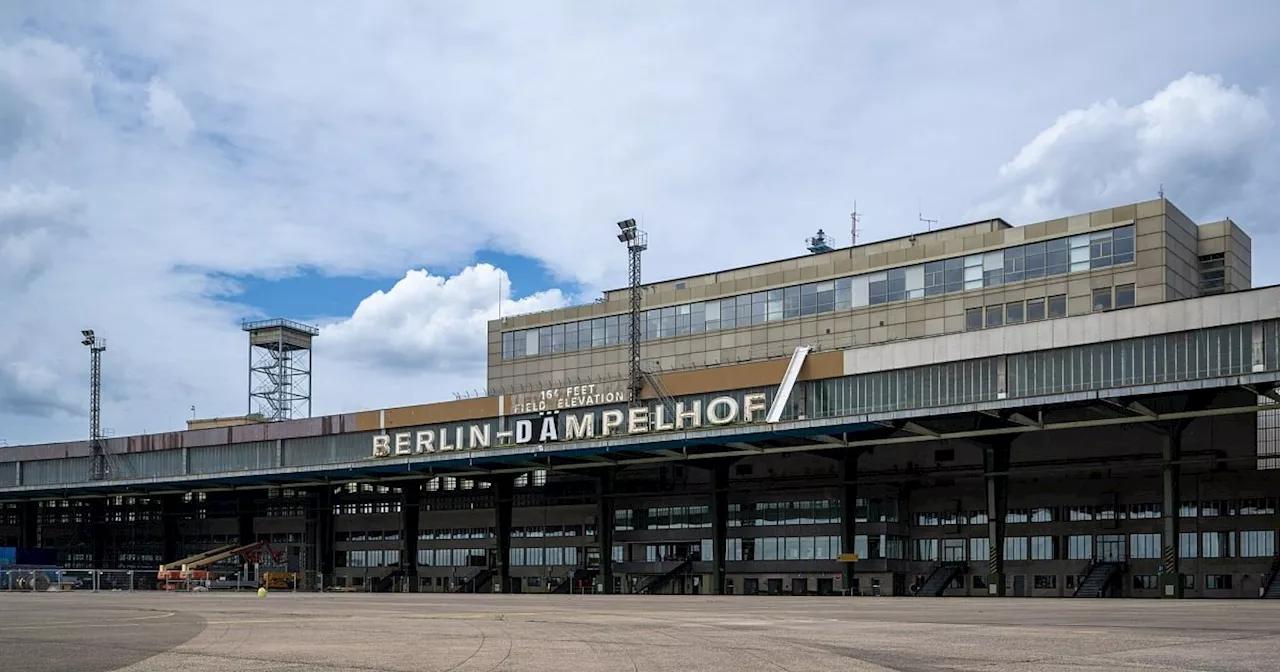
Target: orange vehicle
[[179, 573]]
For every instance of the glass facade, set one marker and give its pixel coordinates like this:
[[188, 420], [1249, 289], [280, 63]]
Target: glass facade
[[1060, 256]]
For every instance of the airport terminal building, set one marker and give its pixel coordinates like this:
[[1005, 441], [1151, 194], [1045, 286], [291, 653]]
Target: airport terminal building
[[1078, 407]]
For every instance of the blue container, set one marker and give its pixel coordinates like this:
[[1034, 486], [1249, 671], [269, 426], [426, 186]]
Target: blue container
[[47, 557], [8, 556]]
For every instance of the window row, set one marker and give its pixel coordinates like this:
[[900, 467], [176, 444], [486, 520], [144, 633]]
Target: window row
[[1211, 582], [752, 514], [1166, 358], [1103, 547], [1084, 252]]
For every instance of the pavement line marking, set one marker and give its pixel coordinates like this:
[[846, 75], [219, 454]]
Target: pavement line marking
[[118, 623], [299, 620]]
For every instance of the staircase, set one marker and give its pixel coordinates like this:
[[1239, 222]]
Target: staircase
[[655, 585], [1099, 579], [940, 578], [579, 575], [664, 398], [388, 582], [1271, 589], [477, 583]]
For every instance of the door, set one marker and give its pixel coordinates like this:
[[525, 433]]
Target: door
[[953, 550], [1019, 585], [1110, 548]]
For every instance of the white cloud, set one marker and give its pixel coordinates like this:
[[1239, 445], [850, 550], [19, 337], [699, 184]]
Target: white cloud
[[168, 113], [1203, 141], [432, 322], [172, 139]]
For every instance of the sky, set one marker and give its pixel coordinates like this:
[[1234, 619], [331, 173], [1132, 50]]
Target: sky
[[390, 171]]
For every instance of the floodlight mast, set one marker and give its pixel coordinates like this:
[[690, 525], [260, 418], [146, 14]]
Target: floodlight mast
[[98, 456], [637, 241]]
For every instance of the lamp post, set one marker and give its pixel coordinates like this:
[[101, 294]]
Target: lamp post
[[637, 241]]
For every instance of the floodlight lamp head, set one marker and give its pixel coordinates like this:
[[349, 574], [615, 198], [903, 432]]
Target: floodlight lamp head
[[626, 236], [627, 224]]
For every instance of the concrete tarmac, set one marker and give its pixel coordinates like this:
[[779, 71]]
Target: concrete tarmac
[[212, 632]]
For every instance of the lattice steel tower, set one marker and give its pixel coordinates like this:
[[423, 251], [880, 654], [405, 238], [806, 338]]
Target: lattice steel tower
[[637, 241], [280, 369], [97, 444]]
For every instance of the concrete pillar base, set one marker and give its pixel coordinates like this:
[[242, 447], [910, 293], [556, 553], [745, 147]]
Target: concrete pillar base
[[995, 584], [1171, 585]]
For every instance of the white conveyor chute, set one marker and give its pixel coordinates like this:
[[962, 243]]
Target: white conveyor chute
[[788, 381]]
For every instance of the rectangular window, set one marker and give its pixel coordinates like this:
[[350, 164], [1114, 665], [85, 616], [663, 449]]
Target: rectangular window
[[1213, 273], [1042, 548], [1080, 547], [1013, 313], [1217, 581], [1258, 544], [1057, 306], [1124, 295], [1145, 581], [1015, 548], [995, 316], [1035, 261], [1188, 545], [1122, 245], [979, 549], [1144, 546], [1101, 299], [1215, 545], [1057, 258], [972, 319], [1035, 310], [1045, 582]]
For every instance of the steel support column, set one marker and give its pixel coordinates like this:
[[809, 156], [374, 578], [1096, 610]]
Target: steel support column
[[719, 525], [170, 532], [98, 532], [996, 461], [1170, 575], [848, 515], [503, 499], [604, 527], [320, 527], [410, 508], [29, 522], [244, 518]]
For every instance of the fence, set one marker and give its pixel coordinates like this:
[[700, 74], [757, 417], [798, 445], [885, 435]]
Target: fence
[[44, 580], [64, 580]]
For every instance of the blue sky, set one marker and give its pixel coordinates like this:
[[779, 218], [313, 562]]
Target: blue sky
[[170, 167], [312, 296]]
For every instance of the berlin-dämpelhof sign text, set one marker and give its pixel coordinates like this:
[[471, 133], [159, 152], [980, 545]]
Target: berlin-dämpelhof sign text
[[578, 426]]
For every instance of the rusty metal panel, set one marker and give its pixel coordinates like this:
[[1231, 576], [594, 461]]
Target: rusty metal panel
[[215, 436], [314, 450], [47, 451], [294, 429], [248, 433], [235, 457], [55, 472], [148, 464], [8, 474]]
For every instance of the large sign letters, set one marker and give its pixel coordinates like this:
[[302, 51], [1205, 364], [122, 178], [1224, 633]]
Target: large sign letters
[[577, 426]]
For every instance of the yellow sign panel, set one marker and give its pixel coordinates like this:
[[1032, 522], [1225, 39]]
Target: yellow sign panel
[[848, 557]]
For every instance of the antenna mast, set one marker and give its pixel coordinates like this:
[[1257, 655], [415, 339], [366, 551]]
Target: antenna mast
[[928, 222], [854, 217]]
